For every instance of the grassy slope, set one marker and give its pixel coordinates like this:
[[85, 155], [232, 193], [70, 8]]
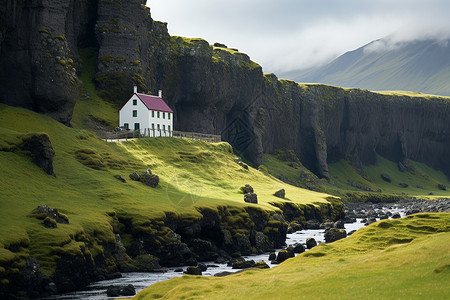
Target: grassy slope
[[192, 174], [342, 174], [89, 105], [406, 258]]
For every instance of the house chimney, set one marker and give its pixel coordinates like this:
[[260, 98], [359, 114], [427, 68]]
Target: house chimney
[[135, 89], [160, 93]]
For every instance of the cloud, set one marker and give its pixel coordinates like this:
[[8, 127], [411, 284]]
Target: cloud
[[294, 34]]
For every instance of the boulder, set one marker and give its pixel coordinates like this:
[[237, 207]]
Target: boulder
[[386, 177], [403, 185], [334, 234], [134, 176], [261, 265], [193, 270], [339, 224], [150, 180], [247, 189], [299, 248], [40, 149], [282, 256], [45, 212], [243, 264], [311, 243], [117, 291], [202, 267], [272, 256], [251, 198], [113, 291], [396, 216], [442, 187], [146, 172], [128, 290], [313, 224], [327, 225], [280, 193]]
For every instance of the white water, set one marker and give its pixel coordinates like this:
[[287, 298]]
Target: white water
[[97, 290]]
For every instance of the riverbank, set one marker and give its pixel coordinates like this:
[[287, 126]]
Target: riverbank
[[400, 258]]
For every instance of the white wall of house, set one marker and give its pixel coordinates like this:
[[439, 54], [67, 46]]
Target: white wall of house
[[151, 123], [160, 123], [126, 115]]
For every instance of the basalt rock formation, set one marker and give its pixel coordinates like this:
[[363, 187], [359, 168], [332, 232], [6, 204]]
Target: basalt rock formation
[[211, 88]]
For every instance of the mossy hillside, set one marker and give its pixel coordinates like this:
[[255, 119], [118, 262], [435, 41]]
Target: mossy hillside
[[421, 181], [405, 258], [193, 175], [355, 185]]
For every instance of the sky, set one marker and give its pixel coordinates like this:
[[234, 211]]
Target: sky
[[285, 35]]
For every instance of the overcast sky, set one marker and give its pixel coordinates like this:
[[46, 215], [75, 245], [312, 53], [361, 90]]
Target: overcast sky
[[283, 35]]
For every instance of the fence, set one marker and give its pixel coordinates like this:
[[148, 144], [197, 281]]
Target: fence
[[114, 136]]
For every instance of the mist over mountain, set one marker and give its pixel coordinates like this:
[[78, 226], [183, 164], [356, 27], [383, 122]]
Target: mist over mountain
[[420, 65]]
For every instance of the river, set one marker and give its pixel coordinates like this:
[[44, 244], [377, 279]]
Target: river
[[97, 290]]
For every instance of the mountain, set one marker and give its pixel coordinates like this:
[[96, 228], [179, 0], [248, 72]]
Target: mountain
[[422, 66]]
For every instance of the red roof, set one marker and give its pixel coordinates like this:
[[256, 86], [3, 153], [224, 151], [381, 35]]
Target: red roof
[[154, 103]]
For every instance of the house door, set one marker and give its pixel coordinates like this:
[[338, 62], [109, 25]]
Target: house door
[[136, 126]]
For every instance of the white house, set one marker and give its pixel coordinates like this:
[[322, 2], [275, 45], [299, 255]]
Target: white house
[[147, 113]]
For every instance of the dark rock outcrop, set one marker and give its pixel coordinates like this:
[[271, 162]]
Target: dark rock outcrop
[[311, 243], [193, 270], [280, 193], [334, 234], [244, 264], [117, 291], [41, 150], [251, 198], [44, 212]]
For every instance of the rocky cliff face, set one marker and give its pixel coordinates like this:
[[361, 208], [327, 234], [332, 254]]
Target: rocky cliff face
[[329, 123], [211, 89]]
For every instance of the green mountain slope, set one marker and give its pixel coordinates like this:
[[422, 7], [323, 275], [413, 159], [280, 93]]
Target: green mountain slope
[[194, 177], [422, 66]]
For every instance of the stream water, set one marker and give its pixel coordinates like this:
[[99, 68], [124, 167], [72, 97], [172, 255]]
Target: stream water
[[97, 290]]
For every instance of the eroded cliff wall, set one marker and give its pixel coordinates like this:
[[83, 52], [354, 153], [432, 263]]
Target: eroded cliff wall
[[211, 89]]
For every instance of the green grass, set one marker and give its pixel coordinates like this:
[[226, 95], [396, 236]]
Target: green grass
[[403, 259], [343, 174], [347, 179], [192, 174], [90, 107]]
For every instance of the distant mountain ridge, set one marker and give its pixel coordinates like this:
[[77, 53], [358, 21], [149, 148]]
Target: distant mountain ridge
[[422, 66]]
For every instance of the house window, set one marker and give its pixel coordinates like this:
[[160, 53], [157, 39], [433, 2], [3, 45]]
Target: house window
[[135, 102], [158, 114], [153, 113], [168, 126], [164, 115], [168, 116], [158, 126], [134, 113], [153, 125], [136, 126], [164, 127], [126, 126]]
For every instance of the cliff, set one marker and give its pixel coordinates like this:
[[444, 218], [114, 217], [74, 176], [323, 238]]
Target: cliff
[[211, 89]]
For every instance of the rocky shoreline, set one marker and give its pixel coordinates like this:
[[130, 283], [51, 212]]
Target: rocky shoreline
[[135, 243], [223, 235]]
